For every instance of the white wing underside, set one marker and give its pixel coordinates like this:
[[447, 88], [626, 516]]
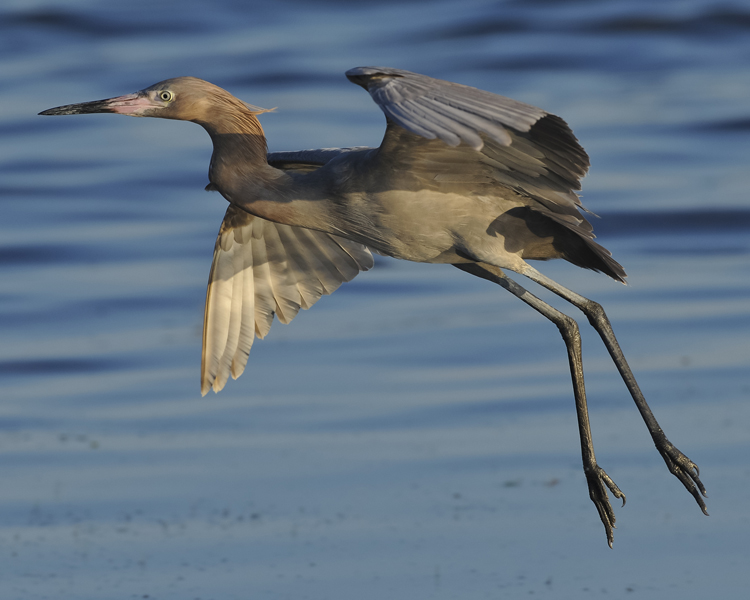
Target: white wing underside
[[260, 269]]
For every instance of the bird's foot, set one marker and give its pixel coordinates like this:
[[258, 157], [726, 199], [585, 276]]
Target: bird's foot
[[684, 469], [597, 479]]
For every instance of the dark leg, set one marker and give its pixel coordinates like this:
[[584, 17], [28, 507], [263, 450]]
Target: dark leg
[[678, 464], [596, 478]]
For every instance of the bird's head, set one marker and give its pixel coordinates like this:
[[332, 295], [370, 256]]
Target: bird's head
[[163, 99], [182, 98]]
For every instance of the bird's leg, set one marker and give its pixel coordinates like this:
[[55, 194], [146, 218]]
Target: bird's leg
[[678, 464], [596, 477]]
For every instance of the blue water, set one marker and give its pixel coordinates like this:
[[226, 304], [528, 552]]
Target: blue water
[[413, 435]]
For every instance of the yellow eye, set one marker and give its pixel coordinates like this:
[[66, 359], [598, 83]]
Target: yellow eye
[[166, 96]]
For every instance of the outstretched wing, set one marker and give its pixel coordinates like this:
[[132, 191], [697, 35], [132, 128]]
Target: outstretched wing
[[260, 269], [528, 147], [453, 112], [452, 136]]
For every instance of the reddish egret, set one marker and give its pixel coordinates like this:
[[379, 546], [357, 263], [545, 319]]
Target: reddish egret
[[462, 177]]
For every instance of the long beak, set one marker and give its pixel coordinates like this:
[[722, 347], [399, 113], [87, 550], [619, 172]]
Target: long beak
[[131, 104]]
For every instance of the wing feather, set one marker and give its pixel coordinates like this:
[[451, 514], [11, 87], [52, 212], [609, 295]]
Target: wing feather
[[446, 108], [220, 316], [317, 262], [284, 280], [415, 120], [234, 287], [265, 302], [471, 120], [261, 269], [247, 322], [310, 288]]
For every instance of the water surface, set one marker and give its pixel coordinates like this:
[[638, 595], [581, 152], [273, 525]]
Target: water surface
[[412, 436]]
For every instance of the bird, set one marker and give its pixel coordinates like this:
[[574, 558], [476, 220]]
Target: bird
[[463, 177]]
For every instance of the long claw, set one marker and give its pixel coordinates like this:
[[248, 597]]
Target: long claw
[[685, 470], [597, 478]]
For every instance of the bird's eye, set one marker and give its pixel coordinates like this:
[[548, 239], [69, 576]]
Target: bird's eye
[[166, 96]]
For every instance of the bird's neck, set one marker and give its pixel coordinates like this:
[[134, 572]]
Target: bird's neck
[[240, 171], [237, 137]]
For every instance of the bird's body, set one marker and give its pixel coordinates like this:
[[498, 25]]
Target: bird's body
[[415, 198], [419, 215], [462, 177]]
